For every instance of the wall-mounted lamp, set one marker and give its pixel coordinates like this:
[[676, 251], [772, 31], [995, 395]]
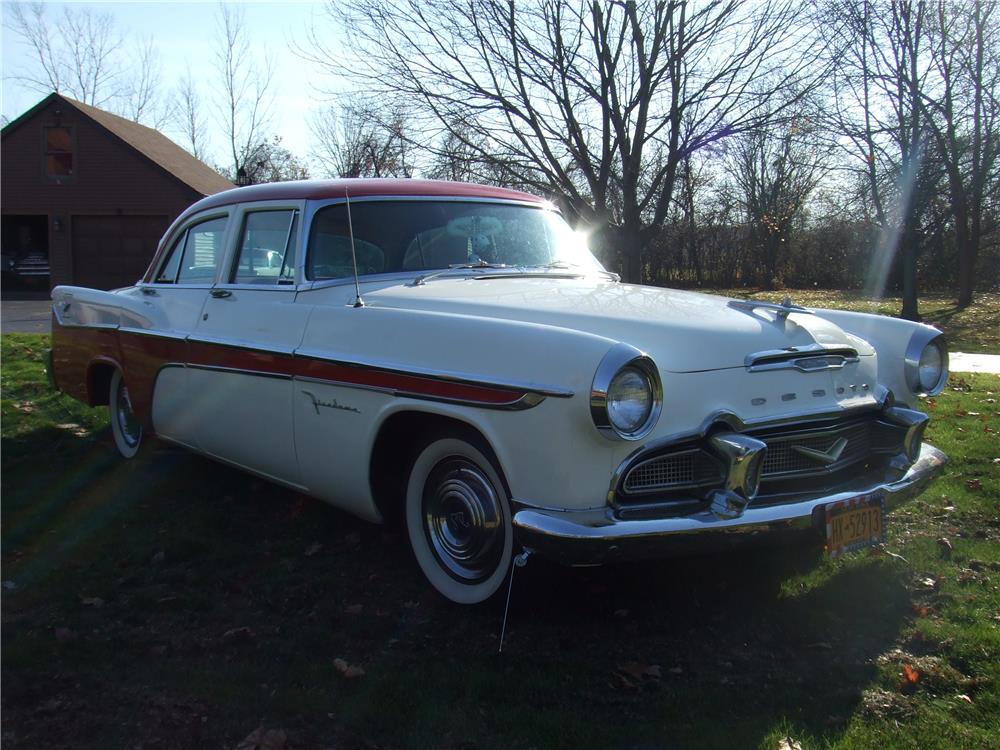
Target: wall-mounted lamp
[[57, 224]]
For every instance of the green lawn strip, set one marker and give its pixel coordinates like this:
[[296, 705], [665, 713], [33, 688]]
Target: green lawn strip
[[198, 607], [974, 329]]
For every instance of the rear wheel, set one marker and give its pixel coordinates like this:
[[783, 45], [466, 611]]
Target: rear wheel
[[125, 426], [458, 520]]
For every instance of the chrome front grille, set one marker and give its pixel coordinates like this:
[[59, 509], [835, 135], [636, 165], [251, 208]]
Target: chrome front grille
[[689, 468], [783, 459], [689, 471]]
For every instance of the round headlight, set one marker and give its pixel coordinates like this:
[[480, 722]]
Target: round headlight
[[627, 395], [926, 362], [931, 367], [630, 400]]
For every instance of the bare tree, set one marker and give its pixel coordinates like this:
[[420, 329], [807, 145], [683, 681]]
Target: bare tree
[[139, 94], [598, 103], [774, 172], [245, 86], [269, 161], [189, 116], [881, 76], [75, 56], [963, 113], [352, 142]]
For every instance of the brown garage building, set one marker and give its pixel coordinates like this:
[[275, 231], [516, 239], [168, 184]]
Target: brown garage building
[[86, 195]]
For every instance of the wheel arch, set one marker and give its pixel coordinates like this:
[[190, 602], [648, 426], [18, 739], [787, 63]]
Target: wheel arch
[[99, 374], [399, 438]]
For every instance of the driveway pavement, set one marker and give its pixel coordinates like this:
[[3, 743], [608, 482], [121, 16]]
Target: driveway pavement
[[25, 313], [30, 313]]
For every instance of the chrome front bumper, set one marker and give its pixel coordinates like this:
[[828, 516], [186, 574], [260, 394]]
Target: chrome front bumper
[[596, 536]]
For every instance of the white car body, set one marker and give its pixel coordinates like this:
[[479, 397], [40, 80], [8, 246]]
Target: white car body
[[298, 382]]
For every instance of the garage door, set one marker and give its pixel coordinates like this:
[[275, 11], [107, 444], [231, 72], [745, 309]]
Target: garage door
[[113, 251]]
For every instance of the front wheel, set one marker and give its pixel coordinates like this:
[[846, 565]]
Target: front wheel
[[458, 520], [125, 426]]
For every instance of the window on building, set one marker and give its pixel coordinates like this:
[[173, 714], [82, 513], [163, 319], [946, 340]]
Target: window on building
[[58, 152]]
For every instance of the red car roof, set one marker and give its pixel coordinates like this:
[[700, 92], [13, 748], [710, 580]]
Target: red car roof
[[359, 188]]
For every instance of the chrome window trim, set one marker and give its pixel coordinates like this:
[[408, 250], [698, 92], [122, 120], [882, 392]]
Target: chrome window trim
[[921, 338], [617, 358], [215, 213], [241, 210], [454, 377]]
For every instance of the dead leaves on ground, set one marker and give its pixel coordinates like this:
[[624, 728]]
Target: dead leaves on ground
[[633, 676], [264, 739], [348, 671]]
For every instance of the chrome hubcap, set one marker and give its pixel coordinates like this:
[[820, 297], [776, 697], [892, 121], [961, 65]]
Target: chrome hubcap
[[463, 520], [128, 425]]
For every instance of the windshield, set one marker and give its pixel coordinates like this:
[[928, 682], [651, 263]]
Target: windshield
[[392, 236]]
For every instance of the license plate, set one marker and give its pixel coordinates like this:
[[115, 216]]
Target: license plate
[[855, 523]]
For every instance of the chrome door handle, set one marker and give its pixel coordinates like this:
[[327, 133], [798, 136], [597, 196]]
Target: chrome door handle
[[221, 293]]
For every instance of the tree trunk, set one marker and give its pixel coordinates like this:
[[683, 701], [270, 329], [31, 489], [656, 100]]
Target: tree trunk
[[630, 246], [909, 248]]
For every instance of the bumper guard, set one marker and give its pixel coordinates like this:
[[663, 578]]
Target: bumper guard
[[595, 536]]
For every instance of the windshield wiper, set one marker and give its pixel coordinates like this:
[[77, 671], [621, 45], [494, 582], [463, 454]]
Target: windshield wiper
[[421, 280]]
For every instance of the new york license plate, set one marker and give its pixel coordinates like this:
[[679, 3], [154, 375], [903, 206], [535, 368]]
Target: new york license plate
[[855, 523]]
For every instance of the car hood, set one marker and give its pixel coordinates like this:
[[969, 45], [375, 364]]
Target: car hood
[[684, 331]]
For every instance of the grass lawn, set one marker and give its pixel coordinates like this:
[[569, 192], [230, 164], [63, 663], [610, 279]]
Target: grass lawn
[[974, 329], [171, 602]]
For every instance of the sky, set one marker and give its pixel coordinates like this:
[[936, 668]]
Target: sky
[[186, 33]]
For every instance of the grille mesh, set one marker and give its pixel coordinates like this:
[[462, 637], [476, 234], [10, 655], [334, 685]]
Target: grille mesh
[[783, 459], [683, 469], [695, 467]]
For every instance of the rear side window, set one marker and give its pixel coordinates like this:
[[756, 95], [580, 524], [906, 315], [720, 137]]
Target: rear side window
[[267, 249], [196, 254]]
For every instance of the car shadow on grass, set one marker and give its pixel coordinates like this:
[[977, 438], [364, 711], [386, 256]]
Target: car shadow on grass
[[171, 599]]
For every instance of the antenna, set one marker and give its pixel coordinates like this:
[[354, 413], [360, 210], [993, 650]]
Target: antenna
[[354, 255]]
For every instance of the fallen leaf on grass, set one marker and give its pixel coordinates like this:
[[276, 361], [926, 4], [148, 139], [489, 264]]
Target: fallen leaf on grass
[[910, 677], [922, 610], [313, 548], [632, 675], [787, 743], [974, 484], [264, 739], [964, 697], [946, 547], [928, 582], [349, 671]]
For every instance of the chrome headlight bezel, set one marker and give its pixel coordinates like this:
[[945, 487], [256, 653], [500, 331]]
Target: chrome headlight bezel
[[619, 358], [921, 339]]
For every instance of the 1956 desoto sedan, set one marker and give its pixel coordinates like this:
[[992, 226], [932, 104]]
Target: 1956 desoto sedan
[[453, 354]]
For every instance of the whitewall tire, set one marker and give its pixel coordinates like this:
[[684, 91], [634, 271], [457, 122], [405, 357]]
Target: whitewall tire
[[458, 521], [125, 426]]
